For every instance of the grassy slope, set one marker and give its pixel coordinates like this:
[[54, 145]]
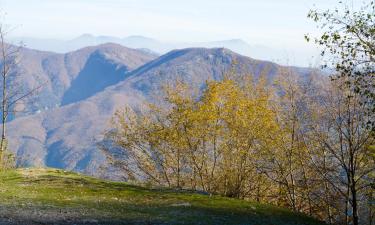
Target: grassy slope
[[41, 196]]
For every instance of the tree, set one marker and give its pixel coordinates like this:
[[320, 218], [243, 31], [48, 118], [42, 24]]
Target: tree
[[248, 123], [339, 147], [299, 143], [210, 142], [154, 139], [348, 42], [12, 93], [286, 164]]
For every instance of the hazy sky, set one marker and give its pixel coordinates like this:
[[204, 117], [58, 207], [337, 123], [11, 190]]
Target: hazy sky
[[273, 23]]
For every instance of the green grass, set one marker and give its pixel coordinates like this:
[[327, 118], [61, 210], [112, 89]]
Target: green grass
[[50, 196]]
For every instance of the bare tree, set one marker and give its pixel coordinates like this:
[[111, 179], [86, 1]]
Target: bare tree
[[342, 154], [13, 94]]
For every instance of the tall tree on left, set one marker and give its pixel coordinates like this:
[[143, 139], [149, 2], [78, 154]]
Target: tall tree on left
[[12, 93]]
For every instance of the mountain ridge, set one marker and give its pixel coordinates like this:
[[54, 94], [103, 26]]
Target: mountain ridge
[[55, 72], [281, 54]]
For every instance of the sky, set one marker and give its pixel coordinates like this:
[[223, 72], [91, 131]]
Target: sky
[[272, 23]]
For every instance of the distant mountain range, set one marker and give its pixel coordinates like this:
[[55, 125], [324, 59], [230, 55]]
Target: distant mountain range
[[295, 57], [85, 87]]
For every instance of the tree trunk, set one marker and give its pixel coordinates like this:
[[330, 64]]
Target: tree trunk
[[3, 118], [354, 203]]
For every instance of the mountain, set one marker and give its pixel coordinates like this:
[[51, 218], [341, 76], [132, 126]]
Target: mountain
[[161, 47], [92, 83], [74, 76]]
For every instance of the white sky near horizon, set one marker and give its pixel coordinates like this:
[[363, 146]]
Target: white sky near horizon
[[272, 23]]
